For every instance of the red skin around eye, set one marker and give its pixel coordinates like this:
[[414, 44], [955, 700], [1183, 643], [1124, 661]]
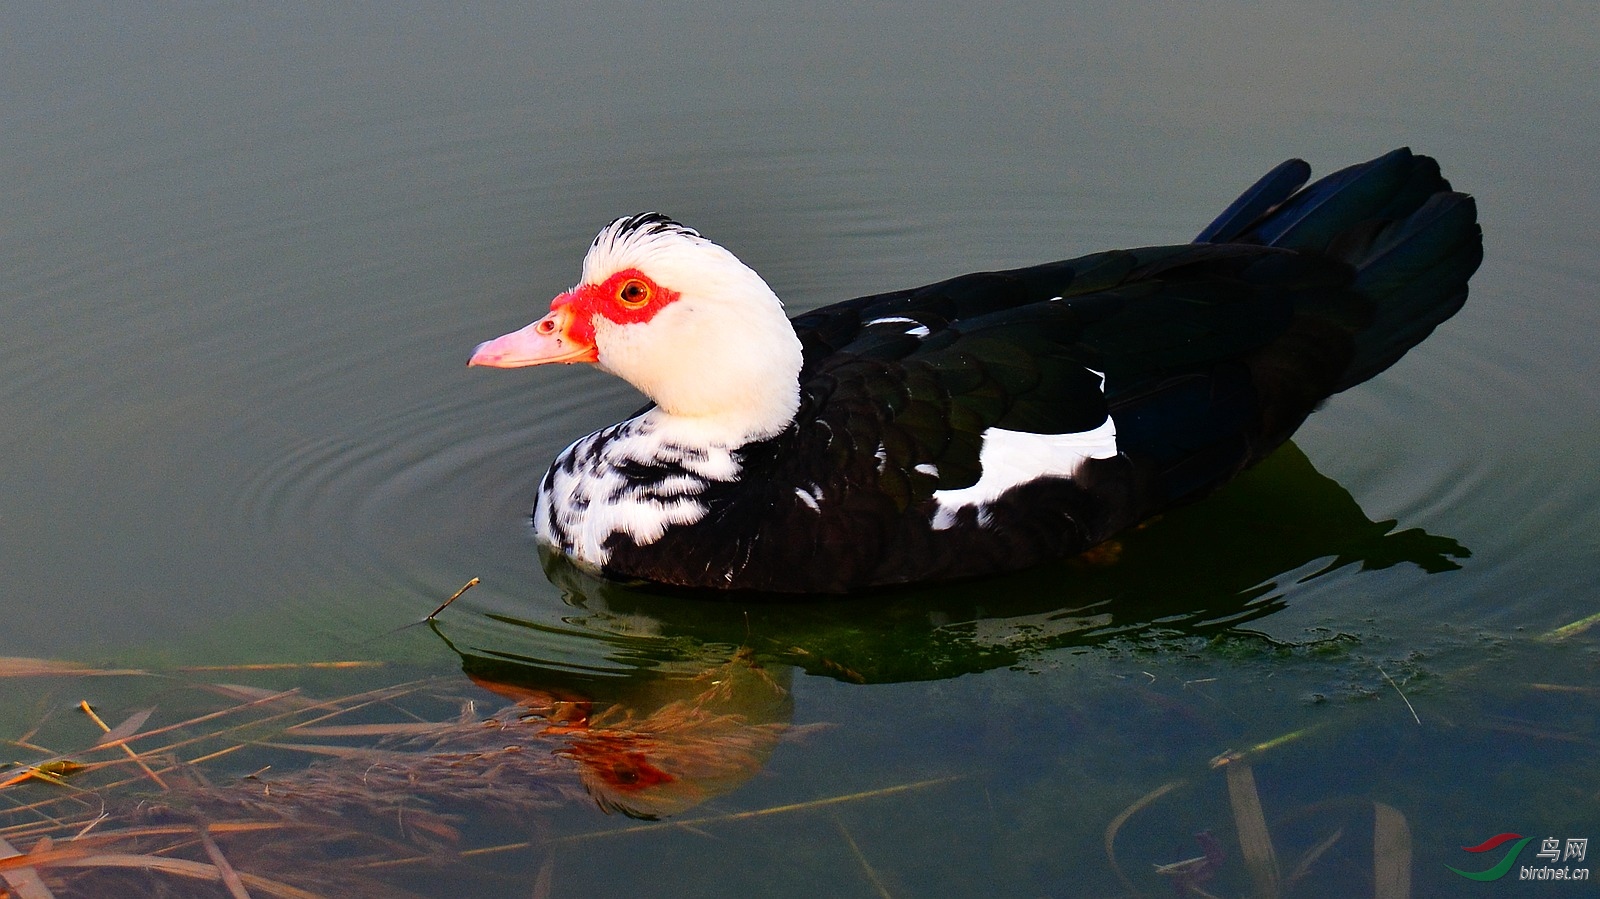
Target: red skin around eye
[[588, 300]]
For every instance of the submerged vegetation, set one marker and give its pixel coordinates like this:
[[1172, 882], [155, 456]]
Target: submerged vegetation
[[343, 797], [415, 788]]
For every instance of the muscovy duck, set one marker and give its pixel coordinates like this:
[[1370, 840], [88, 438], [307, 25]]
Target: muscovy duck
[[989, 422]]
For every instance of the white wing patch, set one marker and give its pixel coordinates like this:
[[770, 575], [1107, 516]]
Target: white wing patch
[[917, 329], [810, 497], [1012, 458]]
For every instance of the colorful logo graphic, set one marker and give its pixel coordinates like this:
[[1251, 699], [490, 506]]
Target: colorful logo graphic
[[1551, 850], [1502, 867]]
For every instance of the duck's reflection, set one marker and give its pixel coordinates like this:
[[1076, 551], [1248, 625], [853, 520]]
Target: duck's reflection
[[1208, 567], [653, 745], [664, 699]]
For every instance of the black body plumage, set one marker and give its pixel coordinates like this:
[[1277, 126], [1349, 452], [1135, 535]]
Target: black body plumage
[[1205, 356]]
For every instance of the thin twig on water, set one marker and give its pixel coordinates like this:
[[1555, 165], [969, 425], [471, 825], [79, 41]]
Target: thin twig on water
[[457, 595], [861, 859], [1398, 690]]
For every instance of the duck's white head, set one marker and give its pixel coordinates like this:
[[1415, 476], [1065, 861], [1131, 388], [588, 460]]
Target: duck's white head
[[678, 317]]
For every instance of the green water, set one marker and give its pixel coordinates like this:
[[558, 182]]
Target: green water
[[245, 253]]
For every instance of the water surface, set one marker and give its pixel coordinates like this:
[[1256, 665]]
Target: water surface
[[246, 252]]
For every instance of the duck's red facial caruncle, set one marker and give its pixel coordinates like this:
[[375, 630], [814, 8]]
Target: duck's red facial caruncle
[[567, 333]]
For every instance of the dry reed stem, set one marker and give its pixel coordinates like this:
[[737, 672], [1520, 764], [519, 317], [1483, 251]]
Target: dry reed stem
[[861, 859], [372, 730], [218, 754], [365, 753], [230, 877], [685, 824], [184, 868], [1391, 853], [1122, 818], [1240, 755], [1255, 841], [25, 882], [84, 845], [1506, 726], [22, 743], [123, 743], [47, 823], [1311, 856], [1570, 630], [91, 826], [771, 810], [281, 666], [371, 696], [210, 716], [24, 667], [544, 883], [1566, 688]]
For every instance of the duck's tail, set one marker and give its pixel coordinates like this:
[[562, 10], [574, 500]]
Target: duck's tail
[[1412, 240]]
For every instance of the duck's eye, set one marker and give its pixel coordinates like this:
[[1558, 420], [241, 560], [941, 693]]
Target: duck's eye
[[633, 294]]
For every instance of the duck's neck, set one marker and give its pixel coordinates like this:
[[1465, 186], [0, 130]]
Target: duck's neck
[[703, 431], [743, 409]]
